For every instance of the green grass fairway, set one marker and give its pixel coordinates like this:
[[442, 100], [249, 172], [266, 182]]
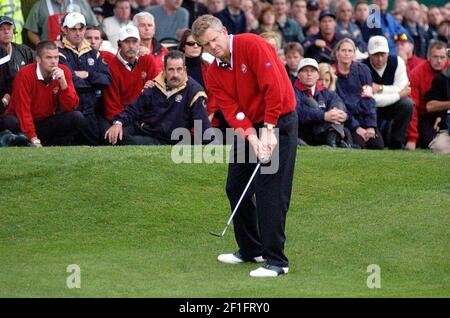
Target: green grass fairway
[[137, 225]]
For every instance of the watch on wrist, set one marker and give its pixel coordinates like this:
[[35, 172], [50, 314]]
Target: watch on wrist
[[117, 122], [269, 126]]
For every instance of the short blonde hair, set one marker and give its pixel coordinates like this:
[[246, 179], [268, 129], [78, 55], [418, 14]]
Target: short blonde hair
[[325, 68], [203, 23]]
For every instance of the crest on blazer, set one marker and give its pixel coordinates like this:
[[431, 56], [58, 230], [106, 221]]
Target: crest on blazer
[[244, 68]]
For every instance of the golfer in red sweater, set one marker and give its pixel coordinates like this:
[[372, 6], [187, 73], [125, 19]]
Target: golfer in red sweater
[[44, 100], [247, 76]]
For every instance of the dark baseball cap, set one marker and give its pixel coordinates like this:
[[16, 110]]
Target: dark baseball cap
[[5, 19], [312, 5], [326, 13]]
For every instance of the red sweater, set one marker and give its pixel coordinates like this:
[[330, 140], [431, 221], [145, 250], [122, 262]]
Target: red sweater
[[420, 79], [412, 62], [258, 84], [33, 99], [127, 85]]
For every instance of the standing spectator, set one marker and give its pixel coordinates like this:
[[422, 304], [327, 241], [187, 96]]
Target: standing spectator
[[391, 91], [444, 31], [13, 9], [267, 21], [312, 10], [267, 99], [44, 20], [195, 8], [233, 17], [108, 8], [129, 74], [14, 57], [415, 30], [176, 101], [298, 12], [346, 28], [142, 5], [290, 29], [405, 49], [121, 18], [44, 100], [170, 18], [293, 53], [90, 74], [434, 19], [145, 23], [215, 6], [360, 17], [354, 87], [252, 21], [421, 127], [321, 112]]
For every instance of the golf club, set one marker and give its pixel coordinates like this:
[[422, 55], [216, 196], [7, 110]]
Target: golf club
[[238, 204]]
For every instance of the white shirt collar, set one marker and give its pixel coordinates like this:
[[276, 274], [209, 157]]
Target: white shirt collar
[[39, 73], [313, 89], [124, 62], [218, 61]]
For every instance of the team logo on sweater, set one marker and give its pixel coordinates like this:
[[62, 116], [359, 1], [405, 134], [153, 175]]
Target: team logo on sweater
[[144, 75], [56, 90], [90, 61], [244, 68], [178, 98]]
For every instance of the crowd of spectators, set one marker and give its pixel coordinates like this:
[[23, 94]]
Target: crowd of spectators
[[94, 72]]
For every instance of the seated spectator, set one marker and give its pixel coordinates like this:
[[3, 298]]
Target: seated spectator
[[170, 18], [176, 101], [94, 36], [346, 28], [415, 30], [327, 76], [145, 23], [44, 23], [13, 10], [354, 87], [44, 100], [293, 53], [321, 112], [233, 17], [405, 49], [391, 92], [311, 28], [421, 128], [438, 99], [90, 74], [289, 28], [312, 10], [275, 40], [129, 74], [121, 18], [13, 58], [320, 46]]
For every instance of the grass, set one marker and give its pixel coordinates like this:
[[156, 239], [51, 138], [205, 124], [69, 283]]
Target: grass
[[137, 225]]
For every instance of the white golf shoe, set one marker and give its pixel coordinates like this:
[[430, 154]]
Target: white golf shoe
[[237, 258], [269, 271]]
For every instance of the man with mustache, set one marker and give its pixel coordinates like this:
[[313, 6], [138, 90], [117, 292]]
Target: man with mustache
[[176, 101], [129, 74], [89, 72]]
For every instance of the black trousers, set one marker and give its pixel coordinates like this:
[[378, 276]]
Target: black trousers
[[425, 127], [260, 228], [373, 143], [400, 114]]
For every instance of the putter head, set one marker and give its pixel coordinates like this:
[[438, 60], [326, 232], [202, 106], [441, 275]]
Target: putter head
[[216, 234]]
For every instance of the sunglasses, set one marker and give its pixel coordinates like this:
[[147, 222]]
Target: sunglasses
[[190, 43]]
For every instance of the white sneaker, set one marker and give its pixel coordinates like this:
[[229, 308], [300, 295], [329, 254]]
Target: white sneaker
[[269, 271], [236, 258]]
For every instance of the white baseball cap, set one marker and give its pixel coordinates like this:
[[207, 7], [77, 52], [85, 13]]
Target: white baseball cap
[[128, 31], [378, 44], [308, 62], [74, 18]]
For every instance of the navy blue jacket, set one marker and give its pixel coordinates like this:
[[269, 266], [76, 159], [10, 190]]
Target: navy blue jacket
[[86, 59], [324, 97], [320, 54], [420, 38], [158, 111], [362, 112], [227, 21]]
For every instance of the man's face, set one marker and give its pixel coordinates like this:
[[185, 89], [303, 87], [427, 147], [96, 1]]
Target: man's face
[[383, 4], [6, 34], [216, 43], [345, 11], [280, 7], [327, 25], [146, 28], [362, 12], [434, 16], [215, 6], [175, 72], [413, 12], [308, 76], [293, 58], [48, 61], [438, 58], [298, 6], [379, 60], [129, 48], [122, 11], [94, 37], [75, 35], [404, 46]]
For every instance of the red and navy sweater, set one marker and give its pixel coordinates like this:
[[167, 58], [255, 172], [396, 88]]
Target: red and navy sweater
[[35, 100], [126, 86], [257, 85]]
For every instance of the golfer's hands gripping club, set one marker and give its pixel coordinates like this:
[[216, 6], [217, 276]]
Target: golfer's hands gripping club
[[264, 147]]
